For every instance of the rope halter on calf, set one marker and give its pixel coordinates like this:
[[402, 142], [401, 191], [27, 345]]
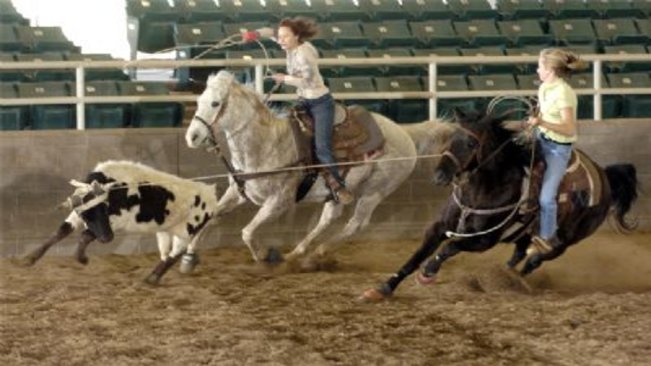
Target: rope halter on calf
[[86, 195]]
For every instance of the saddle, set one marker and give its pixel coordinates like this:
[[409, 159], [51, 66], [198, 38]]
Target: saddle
[[356, 136], [581, 185]]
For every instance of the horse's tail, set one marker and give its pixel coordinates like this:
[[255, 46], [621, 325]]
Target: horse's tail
[[623, 182]]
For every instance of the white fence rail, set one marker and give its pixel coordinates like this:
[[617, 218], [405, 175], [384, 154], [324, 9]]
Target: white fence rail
[[432, 94]]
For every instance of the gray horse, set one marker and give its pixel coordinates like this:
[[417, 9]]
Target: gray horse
[[260, 140]]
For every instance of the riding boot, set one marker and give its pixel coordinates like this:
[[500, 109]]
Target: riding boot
[[339, 192], [542, 246]]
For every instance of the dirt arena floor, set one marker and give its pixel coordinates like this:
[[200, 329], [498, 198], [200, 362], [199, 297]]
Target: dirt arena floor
[[590, 307]]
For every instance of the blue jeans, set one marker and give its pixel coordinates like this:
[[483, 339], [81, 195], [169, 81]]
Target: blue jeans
[[556, 157], [322, 110]]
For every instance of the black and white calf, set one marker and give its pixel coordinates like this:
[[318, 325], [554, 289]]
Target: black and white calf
[[132, 197]]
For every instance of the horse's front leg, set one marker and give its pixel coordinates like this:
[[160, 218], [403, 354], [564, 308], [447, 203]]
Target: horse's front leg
[[271, 209], [331, 211], [520, 251], [433, 238]]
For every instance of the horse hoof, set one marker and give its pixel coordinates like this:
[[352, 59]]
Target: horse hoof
[[152, 279], [421, 279], [83, 260], [274, 256], [372, 295], [189, 262]]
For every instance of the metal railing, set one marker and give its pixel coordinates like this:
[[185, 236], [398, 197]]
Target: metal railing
[[432, 94]]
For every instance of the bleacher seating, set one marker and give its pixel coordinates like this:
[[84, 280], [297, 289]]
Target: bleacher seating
[[480, 32], [105, 115], [627, 66], [472, 9], [12, 117], [435, 33], [633, 106], [381, 10], [563, 9], [289, 8], [197, 11], [618, 31], [151, 114], [357, 84], [338, 11], [244, 11], [57, 116], [336, 35], [525, 9], [348, 70], [390, 70], [524, 32], [403, 110], [389, 33], [423, 10]]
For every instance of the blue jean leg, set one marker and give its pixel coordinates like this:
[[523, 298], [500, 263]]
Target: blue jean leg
[[322, 110], [556, 157]]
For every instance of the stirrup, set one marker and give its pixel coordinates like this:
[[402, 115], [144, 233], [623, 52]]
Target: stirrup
[[343, 196], [540, 246]]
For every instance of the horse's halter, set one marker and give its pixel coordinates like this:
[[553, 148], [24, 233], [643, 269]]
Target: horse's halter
[[476, 154], [209, 125]]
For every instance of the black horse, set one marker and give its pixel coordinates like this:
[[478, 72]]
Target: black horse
[[487, 164]]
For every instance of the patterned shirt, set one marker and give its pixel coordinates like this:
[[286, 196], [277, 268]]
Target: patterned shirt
[[303, 72], [553, 97]]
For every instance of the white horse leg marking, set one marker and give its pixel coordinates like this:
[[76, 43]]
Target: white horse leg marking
[[271, 209], [229, 201], [164, 244], [331, 211]]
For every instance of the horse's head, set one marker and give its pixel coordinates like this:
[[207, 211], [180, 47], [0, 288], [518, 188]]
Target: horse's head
[[468, 145], [212, 107]]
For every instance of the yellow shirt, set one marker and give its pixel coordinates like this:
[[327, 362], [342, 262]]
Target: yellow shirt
[[552, 98]]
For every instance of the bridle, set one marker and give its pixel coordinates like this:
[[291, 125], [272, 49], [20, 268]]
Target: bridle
[[476, 154]]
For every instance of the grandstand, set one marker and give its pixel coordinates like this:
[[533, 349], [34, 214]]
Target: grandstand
[[382, 30]]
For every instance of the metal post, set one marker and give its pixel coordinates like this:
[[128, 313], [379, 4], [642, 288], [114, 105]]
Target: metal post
[[259, 79], [432, 89], [81, 113], [597, 100]]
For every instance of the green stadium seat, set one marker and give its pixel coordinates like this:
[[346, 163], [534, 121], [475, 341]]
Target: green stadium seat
[[199, 33], [151, 114], [485, 68], [152, 10], [290, 8], [528, 81], [492, 82], [472, 9], [611, 104], [633, 106], [389, 33], [245, 74], [618, 31], [427, 10], [338, 10], [244, 10], [198, 11], [357, 84], [15, 75], [45, 39], [9, 41], [404, 110], [105, 115], [336, 35], [390, 70], [380, 10], [572, 31], [521, 9], [627, 66], [45, 117], [644, 25], [456, 83], [9, 14], [150, 36], [435, 33], [99, 74], [530, 50], [564, 9], [347, 70], [524, 32], [47, 74], [642, 5], [12, 117], [480, 32], [615, 8], [448, 69]]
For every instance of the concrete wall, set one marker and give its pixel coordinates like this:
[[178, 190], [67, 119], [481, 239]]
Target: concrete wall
[[35, 167]]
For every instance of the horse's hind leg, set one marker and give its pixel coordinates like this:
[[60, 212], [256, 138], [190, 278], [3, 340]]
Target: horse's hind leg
[[536, 260], [331, 211], [359, 220]]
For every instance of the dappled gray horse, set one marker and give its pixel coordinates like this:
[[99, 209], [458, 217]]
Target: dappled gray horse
[[260, 140]]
